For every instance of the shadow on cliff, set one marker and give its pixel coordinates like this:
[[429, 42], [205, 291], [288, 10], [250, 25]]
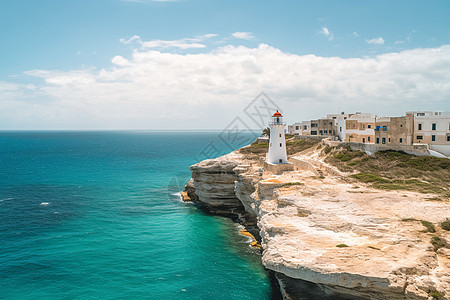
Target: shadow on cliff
[[296, 289]]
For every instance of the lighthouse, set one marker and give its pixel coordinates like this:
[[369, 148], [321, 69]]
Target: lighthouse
[[277, 147]]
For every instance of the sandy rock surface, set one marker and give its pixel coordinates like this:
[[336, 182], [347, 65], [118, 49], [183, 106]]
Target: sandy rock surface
[[334, 231]]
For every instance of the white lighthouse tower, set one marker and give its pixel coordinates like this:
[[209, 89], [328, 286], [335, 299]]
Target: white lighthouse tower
[[277, 147]]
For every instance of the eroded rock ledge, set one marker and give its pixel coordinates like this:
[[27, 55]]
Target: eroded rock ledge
[[343, 236]]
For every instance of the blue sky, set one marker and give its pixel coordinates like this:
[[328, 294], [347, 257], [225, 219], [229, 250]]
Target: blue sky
[[53, 50]]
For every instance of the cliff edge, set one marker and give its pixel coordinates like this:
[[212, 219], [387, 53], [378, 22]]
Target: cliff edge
[[320, 225]]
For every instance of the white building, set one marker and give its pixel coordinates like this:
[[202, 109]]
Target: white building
[[339, 122], [432, 128], [306, 128], [277, 145], [295, 128]]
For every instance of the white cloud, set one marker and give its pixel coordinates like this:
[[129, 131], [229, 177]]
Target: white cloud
[[243, 35], [156, 89], [326, 32], [185, 43], [376, 41], [355, 34]]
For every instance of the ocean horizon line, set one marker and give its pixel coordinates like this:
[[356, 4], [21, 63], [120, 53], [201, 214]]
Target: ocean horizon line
[[123, 130]]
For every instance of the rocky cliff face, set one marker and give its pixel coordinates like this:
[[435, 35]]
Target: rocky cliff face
[[213, 181], [347, 238]]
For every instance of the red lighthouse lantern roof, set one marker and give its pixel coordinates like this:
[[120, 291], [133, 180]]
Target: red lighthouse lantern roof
[[277, 114]]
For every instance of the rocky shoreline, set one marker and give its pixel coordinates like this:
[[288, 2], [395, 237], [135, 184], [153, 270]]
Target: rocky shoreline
[[345, 239]]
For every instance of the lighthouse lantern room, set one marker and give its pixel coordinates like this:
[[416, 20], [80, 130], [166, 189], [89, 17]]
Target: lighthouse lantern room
[[277, 147]]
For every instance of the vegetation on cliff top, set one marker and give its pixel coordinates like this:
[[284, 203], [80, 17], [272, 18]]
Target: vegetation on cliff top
[[257, 150], [393, 170]]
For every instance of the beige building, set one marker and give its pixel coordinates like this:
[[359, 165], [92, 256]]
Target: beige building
[[326, 127], [394, 130], [359, 128]]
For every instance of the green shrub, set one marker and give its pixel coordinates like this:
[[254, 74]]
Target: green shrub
[[435, 295], [446, 225], [367, 177], [428, 225], [438, 242], [426, 163], [348, 155], [342, 156], [341, 245], [293, 183], [255, 148]]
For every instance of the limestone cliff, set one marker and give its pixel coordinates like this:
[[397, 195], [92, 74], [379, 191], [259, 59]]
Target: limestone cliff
[[340, 234]]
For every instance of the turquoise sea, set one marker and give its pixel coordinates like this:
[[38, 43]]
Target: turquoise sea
[[95, 215]]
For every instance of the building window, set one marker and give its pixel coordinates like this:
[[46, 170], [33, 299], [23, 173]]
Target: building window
[[420, 126], [334, 118], [326, 131], [420, 114], [420, 137], [320, 132], [296, 128], [433, 138], [401, 140], [364, 140], [281, 144], [383, 140], [280, 160], [313, 132], [384, 128], [305, 127], [345, 118], [369, 126], [313, 125], [448, 138], [433, 126], [280, 134], [331, 123], [389, 140], [368, 138]]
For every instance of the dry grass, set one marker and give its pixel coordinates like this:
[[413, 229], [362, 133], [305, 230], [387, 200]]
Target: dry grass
[[258, 150], [392, 170], [295, 146]]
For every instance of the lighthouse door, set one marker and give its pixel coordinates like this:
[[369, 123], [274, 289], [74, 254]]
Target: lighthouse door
[[280, 160]]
